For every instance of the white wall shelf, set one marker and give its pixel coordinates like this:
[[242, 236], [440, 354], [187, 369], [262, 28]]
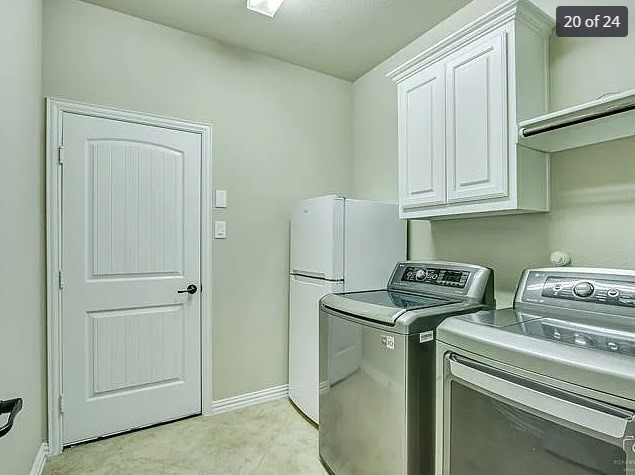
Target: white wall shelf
[[602, 120]]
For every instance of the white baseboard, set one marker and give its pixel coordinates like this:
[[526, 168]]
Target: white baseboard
[[323, 386], [40, 460], [249, 399]]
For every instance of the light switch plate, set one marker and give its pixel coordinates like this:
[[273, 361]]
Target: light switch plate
[[221, 198], [220, 228]]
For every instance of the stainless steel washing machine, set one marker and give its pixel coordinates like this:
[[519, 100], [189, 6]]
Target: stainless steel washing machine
[[377, 366]]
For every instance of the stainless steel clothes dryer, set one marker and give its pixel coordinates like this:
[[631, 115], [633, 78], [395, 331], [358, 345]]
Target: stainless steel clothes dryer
[[547, 387]]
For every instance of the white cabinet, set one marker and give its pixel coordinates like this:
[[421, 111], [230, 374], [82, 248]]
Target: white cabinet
[[459, 106]]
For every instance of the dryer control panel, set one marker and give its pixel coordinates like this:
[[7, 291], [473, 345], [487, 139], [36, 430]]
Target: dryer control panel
[[609, 291], [590, 290], [575, 333]]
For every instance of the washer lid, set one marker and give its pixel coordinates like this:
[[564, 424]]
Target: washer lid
[[399, 300], [382, 305]]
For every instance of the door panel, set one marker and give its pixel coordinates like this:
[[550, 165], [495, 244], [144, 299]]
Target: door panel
[[135, 348], [422, 138], [131, 240], [304, 296], [137, 196], [477, 122]]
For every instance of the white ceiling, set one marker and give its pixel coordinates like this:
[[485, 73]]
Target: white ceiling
[[343, 38]]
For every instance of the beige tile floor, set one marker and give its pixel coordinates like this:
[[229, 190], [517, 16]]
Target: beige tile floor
[[270, 438]]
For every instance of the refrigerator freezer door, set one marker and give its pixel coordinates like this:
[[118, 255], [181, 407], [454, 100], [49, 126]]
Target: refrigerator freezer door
[[317, 238], [375, 240], [305, 294]]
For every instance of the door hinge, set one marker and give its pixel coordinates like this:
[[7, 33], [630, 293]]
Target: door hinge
[[60, 155], [60, 278], [61, 403]]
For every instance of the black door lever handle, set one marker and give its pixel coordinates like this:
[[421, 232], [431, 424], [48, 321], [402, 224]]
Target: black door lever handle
[[191, 289], [11, 407]]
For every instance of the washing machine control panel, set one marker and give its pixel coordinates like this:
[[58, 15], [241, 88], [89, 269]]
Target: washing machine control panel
[[608, 292], [436, 276], [443, 278]]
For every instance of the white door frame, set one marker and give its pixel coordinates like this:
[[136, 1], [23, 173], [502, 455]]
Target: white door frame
[[54, 304]]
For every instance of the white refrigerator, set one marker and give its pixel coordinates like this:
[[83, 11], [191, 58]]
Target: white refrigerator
[[337, 245]]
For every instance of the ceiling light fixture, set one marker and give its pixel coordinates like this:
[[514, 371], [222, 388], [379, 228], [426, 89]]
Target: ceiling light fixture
[[266, 7]]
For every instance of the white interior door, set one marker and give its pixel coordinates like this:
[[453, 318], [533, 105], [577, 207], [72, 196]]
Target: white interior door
[[304, 317], [130, 240], [477, 121]]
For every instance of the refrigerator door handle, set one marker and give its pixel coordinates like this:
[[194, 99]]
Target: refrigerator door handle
[[307, 277], [312, 275]]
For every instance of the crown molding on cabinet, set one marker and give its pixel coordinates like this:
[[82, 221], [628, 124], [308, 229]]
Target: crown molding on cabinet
[[521, 10]]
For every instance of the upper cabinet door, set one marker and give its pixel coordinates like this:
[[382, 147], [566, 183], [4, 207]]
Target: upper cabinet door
[[422, 138], [477, 121]]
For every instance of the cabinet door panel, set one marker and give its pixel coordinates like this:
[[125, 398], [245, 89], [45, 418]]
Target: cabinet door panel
[[477, 122], [422, 139]]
